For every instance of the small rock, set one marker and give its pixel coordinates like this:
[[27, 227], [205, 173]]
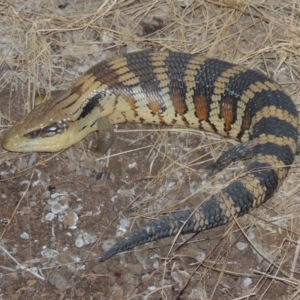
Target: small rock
[[70, 219], [49, 253], [84, 238], [50, 217], [241, 246], [247, 281], [24, 236], [59, 206], [60, 278]]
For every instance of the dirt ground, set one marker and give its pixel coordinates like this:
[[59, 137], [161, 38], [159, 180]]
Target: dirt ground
[[61, 211]]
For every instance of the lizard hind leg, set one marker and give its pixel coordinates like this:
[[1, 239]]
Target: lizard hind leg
[[237, 152]]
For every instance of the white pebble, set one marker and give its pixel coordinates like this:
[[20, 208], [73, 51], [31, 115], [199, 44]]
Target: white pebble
[[24, 236], [84, 238]]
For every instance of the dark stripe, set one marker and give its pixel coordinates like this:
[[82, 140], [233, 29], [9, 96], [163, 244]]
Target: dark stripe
[[240, 82], [207, 75], [82, 128], [241, 196], [102, 72], [138, 63], [267, 98], [141, 65], [176, 64], [92, 124], [275, 126], [282, 153], [90, 105], [105, 75], [236, 86], [70, 104], [213, 212], [63, 99], [267, 177]]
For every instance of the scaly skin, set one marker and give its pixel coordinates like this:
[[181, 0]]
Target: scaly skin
[[179, 89]]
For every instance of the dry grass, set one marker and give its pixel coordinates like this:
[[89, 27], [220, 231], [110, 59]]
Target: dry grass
[[46, 45]]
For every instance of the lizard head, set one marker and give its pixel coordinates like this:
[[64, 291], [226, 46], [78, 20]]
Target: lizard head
[[49, 127]]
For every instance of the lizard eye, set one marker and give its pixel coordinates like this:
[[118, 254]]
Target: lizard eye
[[49, 130]]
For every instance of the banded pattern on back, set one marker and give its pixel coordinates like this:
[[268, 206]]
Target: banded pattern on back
[[179, 89]]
